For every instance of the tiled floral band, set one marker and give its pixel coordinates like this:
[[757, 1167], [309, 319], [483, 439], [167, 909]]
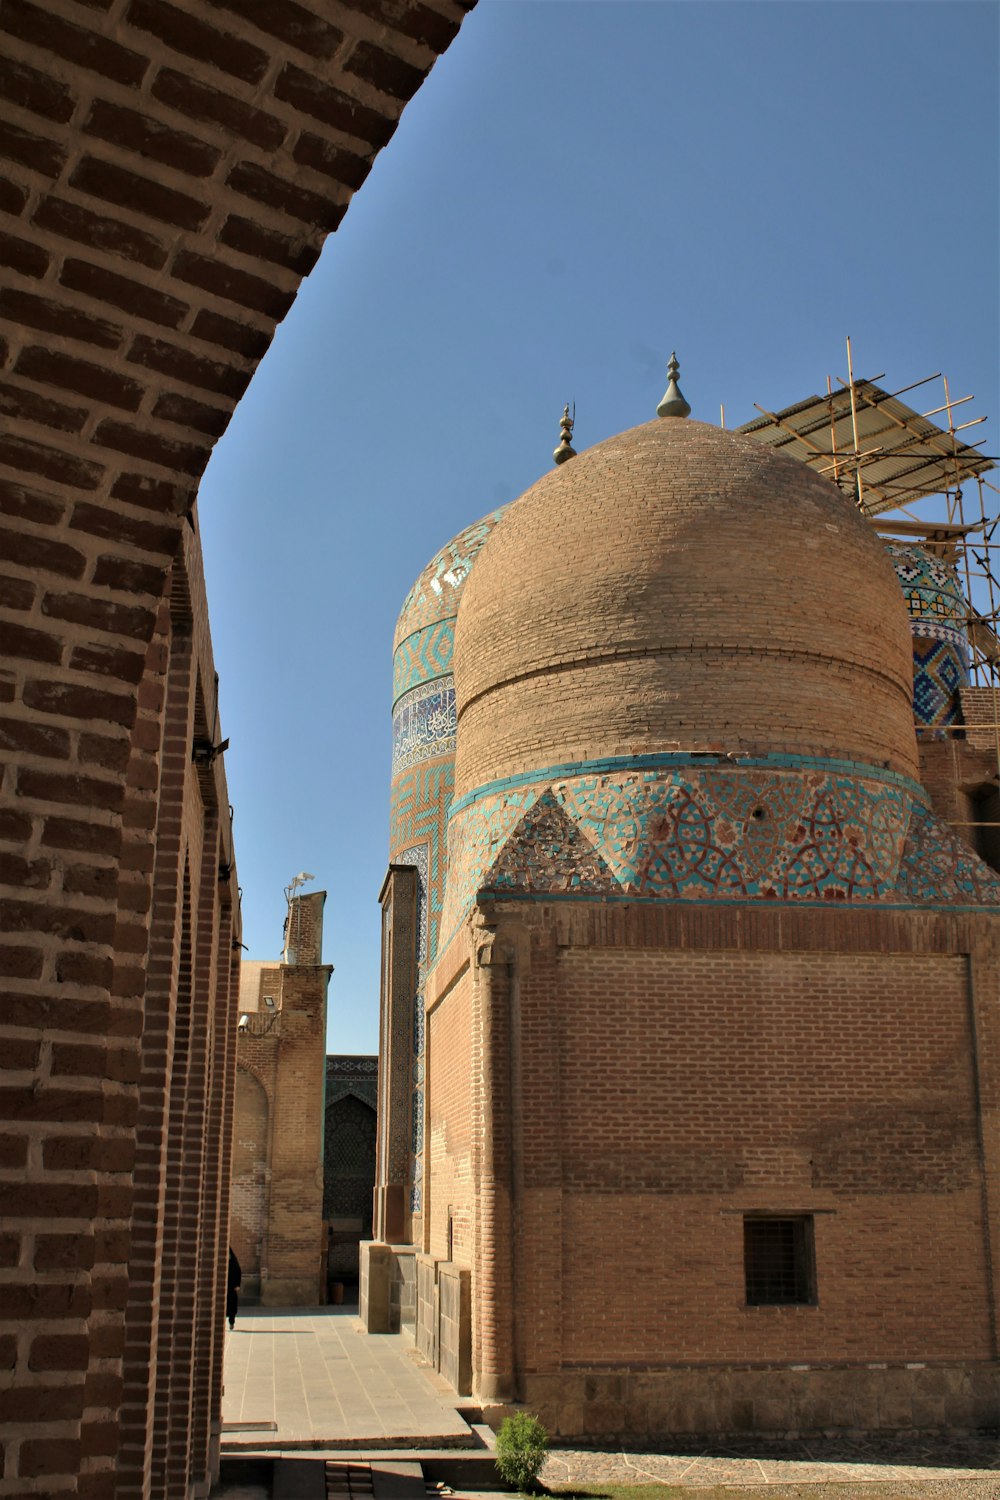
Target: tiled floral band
[[692, 833]]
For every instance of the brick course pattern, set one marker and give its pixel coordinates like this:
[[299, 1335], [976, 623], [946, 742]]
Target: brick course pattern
[[277, 1182], [171, 172], [725, 601], [639, 1079], [709, 951]]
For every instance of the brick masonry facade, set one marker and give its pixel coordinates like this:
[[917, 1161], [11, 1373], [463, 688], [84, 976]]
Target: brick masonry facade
[[171, 172], [717, 961], [276, 1222]]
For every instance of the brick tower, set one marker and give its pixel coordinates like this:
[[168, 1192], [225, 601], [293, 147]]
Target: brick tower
[[708, 1033]]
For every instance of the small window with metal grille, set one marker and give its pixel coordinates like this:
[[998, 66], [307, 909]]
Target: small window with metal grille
[[779, 1260]]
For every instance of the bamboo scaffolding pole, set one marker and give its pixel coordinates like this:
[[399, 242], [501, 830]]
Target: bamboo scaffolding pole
[[927, 437], [991, 583], [787, 427], [935, 410], [916, 384], [833, 431], [854, 427]]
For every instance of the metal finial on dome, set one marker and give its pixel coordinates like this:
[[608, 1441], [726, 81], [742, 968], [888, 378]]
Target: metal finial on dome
[[564, 451], [673, 403]]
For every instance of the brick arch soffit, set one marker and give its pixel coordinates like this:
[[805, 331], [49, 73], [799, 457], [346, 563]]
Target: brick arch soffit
[[171, 176], [252, 1071]]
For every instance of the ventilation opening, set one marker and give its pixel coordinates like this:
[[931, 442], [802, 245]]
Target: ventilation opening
[[779, 1261]]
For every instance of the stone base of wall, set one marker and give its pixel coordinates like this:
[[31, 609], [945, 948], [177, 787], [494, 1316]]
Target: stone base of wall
[[444, 1320], [373, 1286], [387, 1286], [455, 1326], [403, 1289], [776, 1401], [398, 1289]]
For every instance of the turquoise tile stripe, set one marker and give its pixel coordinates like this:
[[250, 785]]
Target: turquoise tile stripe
[[672, 760], [423, 656], [785, 829]]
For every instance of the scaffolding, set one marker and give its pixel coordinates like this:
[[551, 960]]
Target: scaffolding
[[917, 482], [892, 460]]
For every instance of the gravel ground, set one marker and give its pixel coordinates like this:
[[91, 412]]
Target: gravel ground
[[833, 1469]]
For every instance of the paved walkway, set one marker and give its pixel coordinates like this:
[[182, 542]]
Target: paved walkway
[[313, 1378], [313, 1382]]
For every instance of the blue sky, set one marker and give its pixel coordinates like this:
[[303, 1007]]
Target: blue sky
[[577, 189]]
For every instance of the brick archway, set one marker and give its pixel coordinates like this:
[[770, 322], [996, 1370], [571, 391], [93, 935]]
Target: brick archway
[[172, 170]]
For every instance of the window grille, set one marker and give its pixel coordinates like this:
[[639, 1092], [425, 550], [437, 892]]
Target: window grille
[[778, 1260]]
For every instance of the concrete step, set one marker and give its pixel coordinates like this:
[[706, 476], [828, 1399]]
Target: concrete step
[[356, 1475], [244, 1440], [398, 1481]]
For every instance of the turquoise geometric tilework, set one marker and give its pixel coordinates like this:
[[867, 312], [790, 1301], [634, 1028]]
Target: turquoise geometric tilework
[[434, 596], [423, 656], [935, 859], [421, 800], [418, 855], [423, 725], [940, 668], [475, 838], [938, 609], [930, 586], [708, 833]]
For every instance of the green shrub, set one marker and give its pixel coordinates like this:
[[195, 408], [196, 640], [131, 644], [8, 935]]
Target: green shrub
[[521, 1446]]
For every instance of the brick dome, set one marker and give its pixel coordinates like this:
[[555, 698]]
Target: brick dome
[[679, 588]]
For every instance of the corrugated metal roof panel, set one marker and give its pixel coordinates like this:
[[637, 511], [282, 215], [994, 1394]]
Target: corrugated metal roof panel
[[901, 455]]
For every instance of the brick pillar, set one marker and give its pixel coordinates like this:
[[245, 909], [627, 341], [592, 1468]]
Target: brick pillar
[[295, 1276], [394, 1146], [217, 1041], [146, 1260], [173, 1289], [170, 174], [537, 1107], [492, 1329], [984, 977], [224, 1088]]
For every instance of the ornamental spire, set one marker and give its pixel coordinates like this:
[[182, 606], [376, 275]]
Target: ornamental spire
[[565, 451], [673, 403]]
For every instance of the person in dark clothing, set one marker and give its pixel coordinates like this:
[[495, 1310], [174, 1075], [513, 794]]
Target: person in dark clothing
[[234, 1278]]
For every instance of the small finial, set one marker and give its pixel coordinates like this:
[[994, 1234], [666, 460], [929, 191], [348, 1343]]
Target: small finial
[[564, 451], [673, 403]]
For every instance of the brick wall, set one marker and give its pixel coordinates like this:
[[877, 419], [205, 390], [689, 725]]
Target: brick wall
[[171, 173], [168, 1425], [836, 1084], [641, 1079], [450, 1191], [251, 1177], [295, 1274], [277, 1208]]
